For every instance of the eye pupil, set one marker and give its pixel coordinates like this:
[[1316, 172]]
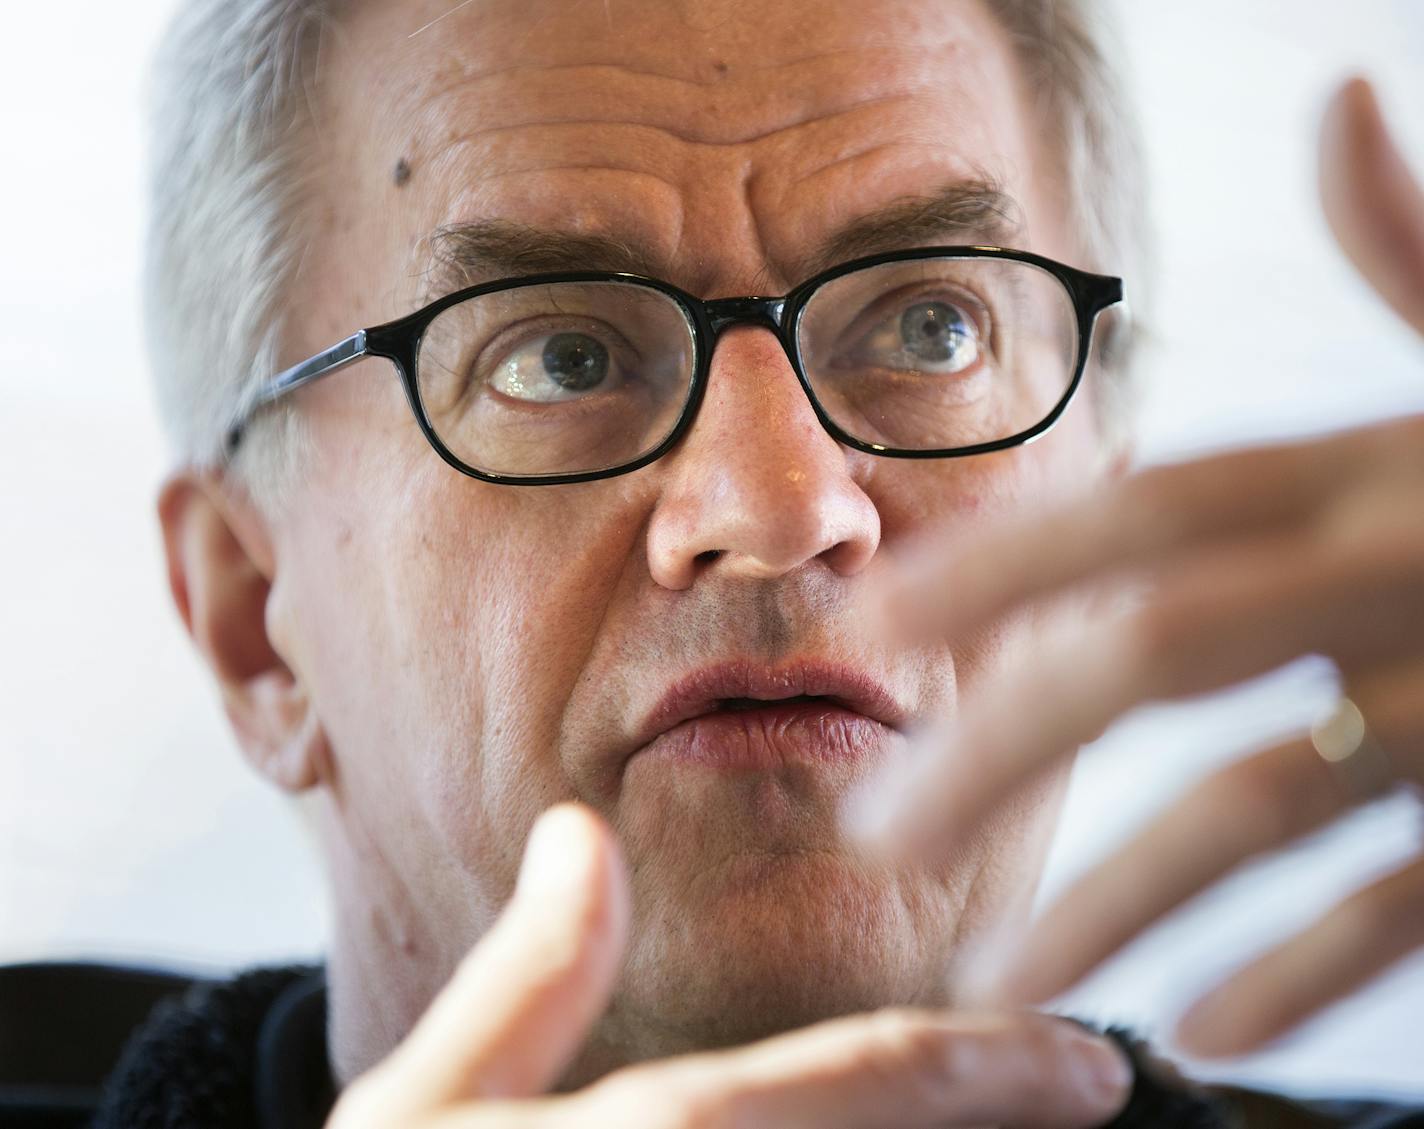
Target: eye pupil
[[575, 361], [933, 331]]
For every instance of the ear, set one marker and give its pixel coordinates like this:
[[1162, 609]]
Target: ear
[[220, 570]]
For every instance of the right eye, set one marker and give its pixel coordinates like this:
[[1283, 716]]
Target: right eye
[[556, 366]]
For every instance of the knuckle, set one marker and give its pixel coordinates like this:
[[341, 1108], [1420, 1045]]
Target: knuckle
[[1362, 538], [1364, 917], [1159, 641], [1396, 448], [1390, 909], [1152, 502], [1259, 809], [1037, 1049], [1155, 628], [1267, 804], [944, 1071], [906, 1053], [700, 1105], [1041, 1061], [1171, 502], [1042, 1039], [661, 1096], [1141, 494], [703, 1107], [1394, 703]]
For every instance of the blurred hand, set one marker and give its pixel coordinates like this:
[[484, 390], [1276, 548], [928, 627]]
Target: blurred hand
[[521, 1005], [1243, 562]]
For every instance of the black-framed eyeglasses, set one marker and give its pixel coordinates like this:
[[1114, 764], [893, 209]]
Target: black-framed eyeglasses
[[936, 352]]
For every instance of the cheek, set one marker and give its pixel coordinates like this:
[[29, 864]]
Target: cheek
[[452, 620], [949, 498]]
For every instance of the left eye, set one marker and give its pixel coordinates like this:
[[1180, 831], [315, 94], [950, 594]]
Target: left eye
[[929, 336], [561, 366]]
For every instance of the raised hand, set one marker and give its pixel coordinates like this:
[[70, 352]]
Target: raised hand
[[1240, 563]]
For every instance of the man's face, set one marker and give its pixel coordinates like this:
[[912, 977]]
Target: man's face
[[477, 652]]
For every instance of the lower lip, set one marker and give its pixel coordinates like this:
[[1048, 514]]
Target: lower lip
[[772, 736]]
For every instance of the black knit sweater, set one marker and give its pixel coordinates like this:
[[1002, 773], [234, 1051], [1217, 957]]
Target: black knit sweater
[[250, 1053]]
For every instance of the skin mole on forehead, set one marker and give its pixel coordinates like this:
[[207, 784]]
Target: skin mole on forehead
[[402, 172]]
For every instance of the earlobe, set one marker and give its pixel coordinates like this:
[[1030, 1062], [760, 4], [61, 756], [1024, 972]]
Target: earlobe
[[220, 571]]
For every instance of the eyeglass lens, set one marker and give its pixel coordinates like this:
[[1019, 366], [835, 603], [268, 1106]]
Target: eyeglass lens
[[931, 354], [574, 377], [559, 378]]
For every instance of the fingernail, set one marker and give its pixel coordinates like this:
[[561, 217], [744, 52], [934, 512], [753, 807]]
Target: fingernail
[[1102, 1070], [554, 854]]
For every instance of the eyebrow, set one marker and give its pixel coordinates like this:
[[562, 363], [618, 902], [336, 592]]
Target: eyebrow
[[469, 253], [466, 254], [968, 212]]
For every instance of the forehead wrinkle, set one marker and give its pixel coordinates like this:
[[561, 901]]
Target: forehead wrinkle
[[938, 195], [875, 151], [751, 105], [460, 73], [579, 167], [683, 149], [652, 152], [679, 134], [468, 74]]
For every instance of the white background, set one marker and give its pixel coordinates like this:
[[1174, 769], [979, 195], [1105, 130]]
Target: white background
[[130, 828]]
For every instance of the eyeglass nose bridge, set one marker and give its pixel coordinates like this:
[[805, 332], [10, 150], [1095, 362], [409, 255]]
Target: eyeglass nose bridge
[[768, 313], [750, 310]]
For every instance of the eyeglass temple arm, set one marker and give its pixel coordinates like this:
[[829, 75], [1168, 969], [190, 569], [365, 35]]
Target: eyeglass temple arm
[[1102, 292], [330, 360], [1109, 295]]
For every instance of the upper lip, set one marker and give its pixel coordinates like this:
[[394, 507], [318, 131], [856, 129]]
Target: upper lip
[[705, 689]]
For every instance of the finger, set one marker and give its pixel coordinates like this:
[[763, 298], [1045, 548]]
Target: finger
[[895, 1068], [1351, 945], [1229, 615], [521, 1002], [1375, 207], [1253, 806], [1135, 525]]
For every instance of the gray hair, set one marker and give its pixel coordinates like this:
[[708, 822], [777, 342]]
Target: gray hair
[[1071, 55], [230, 113], [233, 106]]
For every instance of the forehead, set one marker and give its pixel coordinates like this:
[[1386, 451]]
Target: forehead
[[728, 137]]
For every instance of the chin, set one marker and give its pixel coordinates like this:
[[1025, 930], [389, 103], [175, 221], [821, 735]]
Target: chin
[[753, 916], [762, 941]]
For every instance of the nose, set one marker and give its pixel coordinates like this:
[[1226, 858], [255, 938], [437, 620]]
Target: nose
[[757, 487]]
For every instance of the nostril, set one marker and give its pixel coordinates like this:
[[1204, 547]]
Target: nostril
[[707, 556]]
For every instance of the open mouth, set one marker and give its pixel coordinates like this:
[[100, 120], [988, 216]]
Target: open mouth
[[769, 734], [743, 714], [738, 704]]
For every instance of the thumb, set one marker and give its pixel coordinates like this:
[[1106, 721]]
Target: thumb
[[521, 1003], [1374, 205]]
